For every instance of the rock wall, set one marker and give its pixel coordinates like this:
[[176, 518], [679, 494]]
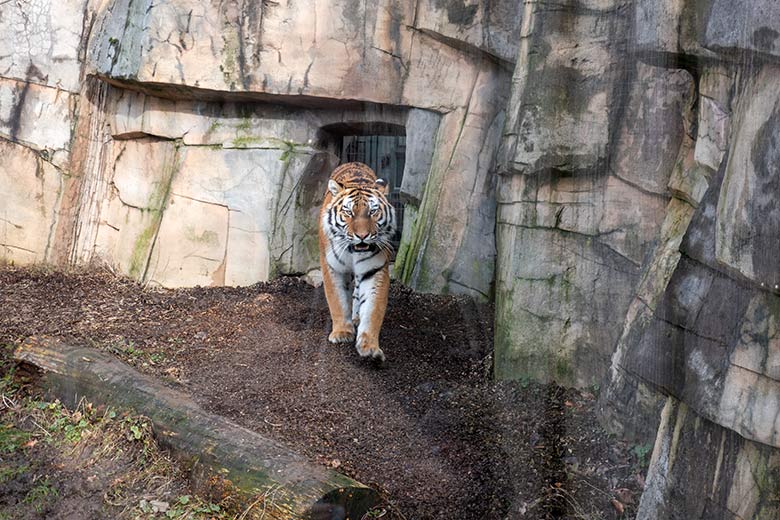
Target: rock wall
[[587, 154], [607, 170], [637, 235], [181, 140]]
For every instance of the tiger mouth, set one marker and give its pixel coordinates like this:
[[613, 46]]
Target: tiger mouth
[[361, 247]]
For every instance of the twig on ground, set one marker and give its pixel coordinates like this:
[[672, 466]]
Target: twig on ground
[[8, 402], [262, 497]]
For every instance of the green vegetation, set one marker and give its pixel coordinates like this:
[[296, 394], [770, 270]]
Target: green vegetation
[[128, 348], [11, 438], [213, 127], [246, 141], [8, 472], [48, 448], [134, 353], [156, 358], [40, 494], [642, 452], [245, 125], [141, 248], [156, 205], [289, 151]]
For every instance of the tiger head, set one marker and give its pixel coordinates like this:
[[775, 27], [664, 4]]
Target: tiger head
[[360, 217]]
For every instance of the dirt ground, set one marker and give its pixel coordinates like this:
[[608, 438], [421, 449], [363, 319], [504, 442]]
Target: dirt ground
[[430, 429]]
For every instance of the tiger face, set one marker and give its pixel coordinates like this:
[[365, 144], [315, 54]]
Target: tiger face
[[361, 217]]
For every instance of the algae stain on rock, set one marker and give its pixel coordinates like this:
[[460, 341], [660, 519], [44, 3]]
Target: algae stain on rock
[[141, 248], [206, 237]]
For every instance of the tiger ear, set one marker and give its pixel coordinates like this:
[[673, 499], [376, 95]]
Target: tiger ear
[[383, 186], [334, 187]]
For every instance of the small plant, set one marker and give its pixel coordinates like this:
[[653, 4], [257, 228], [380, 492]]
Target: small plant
[[157, 358], [73, 431], [12, 439], [7, 384], [641, 452], [135, 429], [377, 512], [8, 473], [40, 494], [131, 350]]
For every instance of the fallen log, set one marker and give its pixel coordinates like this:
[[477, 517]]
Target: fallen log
[[282, 484]]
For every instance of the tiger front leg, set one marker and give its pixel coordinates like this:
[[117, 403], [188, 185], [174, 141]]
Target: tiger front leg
[[339, 303], [373, 304], [356, 305]]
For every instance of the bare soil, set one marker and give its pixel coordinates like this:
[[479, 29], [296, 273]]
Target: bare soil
[[430, 429]]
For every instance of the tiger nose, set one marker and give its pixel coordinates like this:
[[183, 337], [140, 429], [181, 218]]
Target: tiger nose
[[362, 237]]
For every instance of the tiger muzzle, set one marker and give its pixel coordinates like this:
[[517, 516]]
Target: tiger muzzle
[[362, 247]]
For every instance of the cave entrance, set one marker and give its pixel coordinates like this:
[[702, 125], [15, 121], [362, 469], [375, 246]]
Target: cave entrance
[[382, 146]]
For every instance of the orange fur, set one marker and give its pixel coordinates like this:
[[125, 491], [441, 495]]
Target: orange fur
[[359, 182]]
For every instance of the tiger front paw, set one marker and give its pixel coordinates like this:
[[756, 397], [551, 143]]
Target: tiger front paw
[[369, 347], [342, 335]]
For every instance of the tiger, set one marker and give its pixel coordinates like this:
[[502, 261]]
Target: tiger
[[356, 226]]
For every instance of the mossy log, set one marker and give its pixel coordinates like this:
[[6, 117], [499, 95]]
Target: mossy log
[[283, 484]]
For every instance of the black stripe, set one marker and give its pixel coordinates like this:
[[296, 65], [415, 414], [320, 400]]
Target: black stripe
[[370, 274], [336, 255], [376, 252]]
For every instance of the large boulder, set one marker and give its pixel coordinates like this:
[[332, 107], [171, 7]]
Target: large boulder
[[37, 116], [332, 49], [566, 87], [737, 26], [490, 26], [28, 214], [571, 247], [704, 331], [451, 247], [42, 43], [702, 471], [748, 215]]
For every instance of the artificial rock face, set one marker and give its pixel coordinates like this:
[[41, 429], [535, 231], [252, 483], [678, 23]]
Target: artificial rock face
[[605, 169], [587, 153], [637, 235], [196, 159]]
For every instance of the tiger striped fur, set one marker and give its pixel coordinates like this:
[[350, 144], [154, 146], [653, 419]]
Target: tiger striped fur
[[356, 225]]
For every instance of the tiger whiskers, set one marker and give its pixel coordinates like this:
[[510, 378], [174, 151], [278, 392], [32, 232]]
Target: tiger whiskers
[[340, 247], [384, 245]]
